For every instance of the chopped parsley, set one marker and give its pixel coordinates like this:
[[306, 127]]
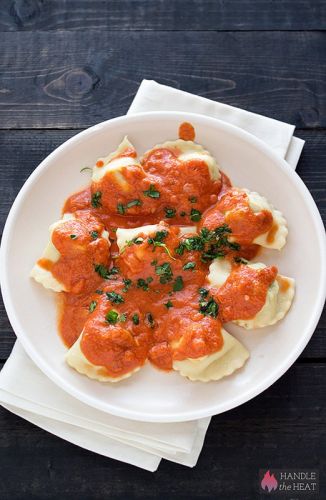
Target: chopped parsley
[[141, 283], [212, 244], [168, 304], [182, 214], [112, 317], [134, 203], [164, 271], [150, 320], [195, 215], [127, 284], [169, 212], [114, 297], [157, 241], [99, 292], [73, 236], [135, 319], [120, 209], [123, 318], [92, 306], [189, 265], [96, 199], [207, 305], [192, 199], [154, 262], [152, 192], [137, 241], [178, 284], [94, 235], [104, 272]]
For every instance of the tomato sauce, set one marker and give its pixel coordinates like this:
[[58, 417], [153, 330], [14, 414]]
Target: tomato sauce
[[157, 304], [187, 132], [233, 209], [244, 292]]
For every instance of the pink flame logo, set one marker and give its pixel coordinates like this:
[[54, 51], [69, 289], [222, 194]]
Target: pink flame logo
[[269, 482]]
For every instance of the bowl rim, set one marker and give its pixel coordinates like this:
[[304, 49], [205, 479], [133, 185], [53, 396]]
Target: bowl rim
[[179, 416]]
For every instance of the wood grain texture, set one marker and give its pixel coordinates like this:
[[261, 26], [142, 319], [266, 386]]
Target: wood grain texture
[[23, 150], [282, 428], [162, 15], [75, 79]]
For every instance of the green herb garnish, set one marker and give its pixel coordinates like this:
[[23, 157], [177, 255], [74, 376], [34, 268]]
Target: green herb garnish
[[99, 292], [208, 307], [104, 272], [168, 304], [84, 169], [96, 199], [195, 215], [164, 271], [114, 297], [189, 265], [127, 284], [152, 192], [92, 306], [73, 236], [112, 317], [94, 235], [182, 214], [157, 241], [141, 283], [135, 319], [134, 203], [123, 318], [178, 284], [120, 208], [192, 199], [169, 212]]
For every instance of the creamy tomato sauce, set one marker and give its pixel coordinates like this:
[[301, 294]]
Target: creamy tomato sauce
[[152, 300], [233, 209]]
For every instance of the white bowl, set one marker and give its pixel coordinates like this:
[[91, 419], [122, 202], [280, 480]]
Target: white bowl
[[151, 395]]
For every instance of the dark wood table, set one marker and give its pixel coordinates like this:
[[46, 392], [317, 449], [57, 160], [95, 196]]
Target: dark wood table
[[66, 65]]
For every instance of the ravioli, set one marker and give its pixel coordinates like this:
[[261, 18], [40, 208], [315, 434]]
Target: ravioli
[[278, 298], [125, 235], [189, 150], [276, 237], [222, 363], [124, 156], [51, 255], [42, 275], [77, 360]]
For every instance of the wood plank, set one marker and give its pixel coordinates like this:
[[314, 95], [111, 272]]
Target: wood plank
[[283, 427], [76, 79], [162, 15], [33, 146]]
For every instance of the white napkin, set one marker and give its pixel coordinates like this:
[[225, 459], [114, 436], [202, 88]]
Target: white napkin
[[27, 392]]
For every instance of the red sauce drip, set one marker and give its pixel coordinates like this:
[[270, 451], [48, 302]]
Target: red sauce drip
[[187, 132]]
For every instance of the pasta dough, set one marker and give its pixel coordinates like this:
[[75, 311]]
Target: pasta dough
[[231, 357], [77, 360], [51, 254], [278, 300], [189, 150], [277, 241]]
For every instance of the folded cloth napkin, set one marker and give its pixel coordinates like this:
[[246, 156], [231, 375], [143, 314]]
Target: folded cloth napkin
[[37, 399]]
